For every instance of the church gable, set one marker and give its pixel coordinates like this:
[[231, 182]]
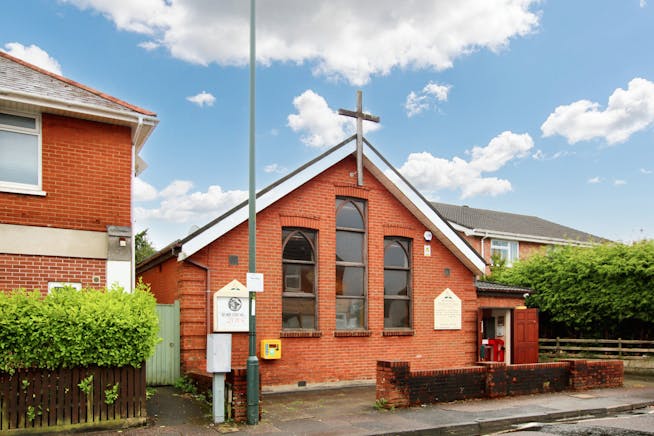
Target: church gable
[[377, 168]]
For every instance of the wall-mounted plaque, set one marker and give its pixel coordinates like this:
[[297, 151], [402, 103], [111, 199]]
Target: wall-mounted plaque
[[447, 311], [230, 308]]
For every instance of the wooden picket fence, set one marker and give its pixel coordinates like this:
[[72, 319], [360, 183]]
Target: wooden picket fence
[[40, 398]]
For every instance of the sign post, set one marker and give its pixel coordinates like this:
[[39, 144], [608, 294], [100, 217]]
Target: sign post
[[253, 362]]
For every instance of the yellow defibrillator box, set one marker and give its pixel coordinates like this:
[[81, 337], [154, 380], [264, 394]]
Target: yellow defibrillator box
[[271, 349]]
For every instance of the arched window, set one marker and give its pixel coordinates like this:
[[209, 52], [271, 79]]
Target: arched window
[[299, 278], [397, 282], [350, 264]]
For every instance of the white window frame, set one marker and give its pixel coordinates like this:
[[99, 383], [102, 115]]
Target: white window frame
[[26, 188], [52, 286], [512, 250]]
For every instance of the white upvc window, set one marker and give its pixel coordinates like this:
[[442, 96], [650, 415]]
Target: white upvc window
[[55, 286], [20, 153], [506, 250]]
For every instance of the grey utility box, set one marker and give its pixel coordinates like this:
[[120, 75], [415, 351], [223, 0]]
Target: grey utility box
[[219, 352]]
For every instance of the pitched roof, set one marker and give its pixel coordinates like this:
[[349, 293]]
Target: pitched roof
[[498, 289], [483, 222], [25, 87], [374, 162], [18, 75]]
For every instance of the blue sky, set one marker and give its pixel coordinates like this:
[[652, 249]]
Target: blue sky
[[534, 107]]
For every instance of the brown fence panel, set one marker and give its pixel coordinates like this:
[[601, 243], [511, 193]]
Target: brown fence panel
[[39, 398]]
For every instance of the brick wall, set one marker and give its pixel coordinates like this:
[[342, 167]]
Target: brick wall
[[34, 272], [604, 374], [400, 387], [525, 249], [86, 177], [86, 171], [445, 385], [163, 278], [588, 374], [326, 356], [503, 380]]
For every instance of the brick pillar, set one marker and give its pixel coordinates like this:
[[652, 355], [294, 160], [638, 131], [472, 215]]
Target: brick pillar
[[496, 379], [578, 374], [393, 383], [238, 379]]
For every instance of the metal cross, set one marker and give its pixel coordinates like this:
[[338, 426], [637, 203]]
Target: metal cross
[[360, 116]]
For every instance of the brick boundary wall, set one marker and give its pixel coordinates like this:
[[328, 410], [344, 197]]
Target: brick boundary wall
[[398, 386]]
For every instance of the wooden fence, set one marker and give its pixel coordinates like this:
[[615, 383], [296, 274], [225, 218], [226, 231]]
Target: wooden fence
[[78, 397], [597, 347]]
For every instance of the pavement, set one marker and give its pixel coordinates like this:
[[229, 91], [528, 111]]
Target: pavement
[[351, 411]]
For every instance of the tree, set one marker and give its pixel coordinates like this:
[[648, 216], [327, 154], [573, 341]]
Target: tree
[[602, 291], [143, 246]]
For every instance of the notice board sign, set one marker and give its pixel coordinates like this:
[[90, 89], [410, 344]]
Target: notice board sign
[[447, 311], [230, 308]]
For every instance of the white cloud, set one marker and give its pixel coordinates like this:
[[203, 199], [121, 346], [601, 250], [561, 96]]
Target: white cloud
[[540, 155], [645, 171], [202, 99], [643, 3], [322, 126], [628, 111], [429, 173], [422, 34], [149, 45], [179, 205], [619, 182], [34, 55], [177, 188], [143, 191], [426, 99], [275, 168], [595, 180]]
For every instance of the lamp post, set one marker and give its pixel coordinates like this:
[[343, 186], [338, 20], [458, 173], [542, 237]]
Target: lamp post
[[253, 362]]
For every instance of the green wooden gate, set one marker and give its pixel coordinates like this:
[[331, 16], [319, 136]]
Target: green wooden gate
[[162, 368]]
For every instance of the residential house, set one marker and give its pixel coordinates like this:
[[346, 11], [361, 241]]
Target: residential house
[[68, 155], [509, 236], [353, 273]]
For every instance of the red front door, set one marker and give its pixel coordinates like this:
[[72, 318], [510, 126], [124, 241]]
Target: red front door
[[525, 336]]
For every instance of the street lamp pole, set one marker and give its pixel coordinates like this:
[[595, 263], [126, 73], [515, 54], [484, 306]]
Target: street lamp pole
[[253, 362]]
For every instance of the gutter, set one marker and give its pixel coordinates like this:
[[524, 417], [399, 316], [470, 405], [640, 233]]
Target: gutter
[[128, 116], [486, 233]]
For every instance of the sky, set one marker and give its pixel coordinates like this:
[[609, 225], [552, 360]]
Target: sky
[[541, 108]]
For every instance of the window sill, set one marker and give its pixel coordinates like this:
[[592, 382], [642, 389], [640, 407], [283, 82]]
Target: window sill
[[300, 334], [25, 191], [403, 332], [352, 333]]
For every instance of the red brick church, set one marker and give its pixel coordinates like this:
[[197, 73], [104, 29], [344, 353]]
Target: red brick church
[[355, 271]]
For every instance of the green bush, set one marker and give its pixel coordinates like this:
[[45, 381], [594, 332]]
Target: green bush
[[71, 328]]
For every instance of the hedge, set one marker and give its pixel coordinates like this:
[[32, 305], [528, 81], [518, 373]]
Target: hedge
[[70, 328], [604, 291]]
